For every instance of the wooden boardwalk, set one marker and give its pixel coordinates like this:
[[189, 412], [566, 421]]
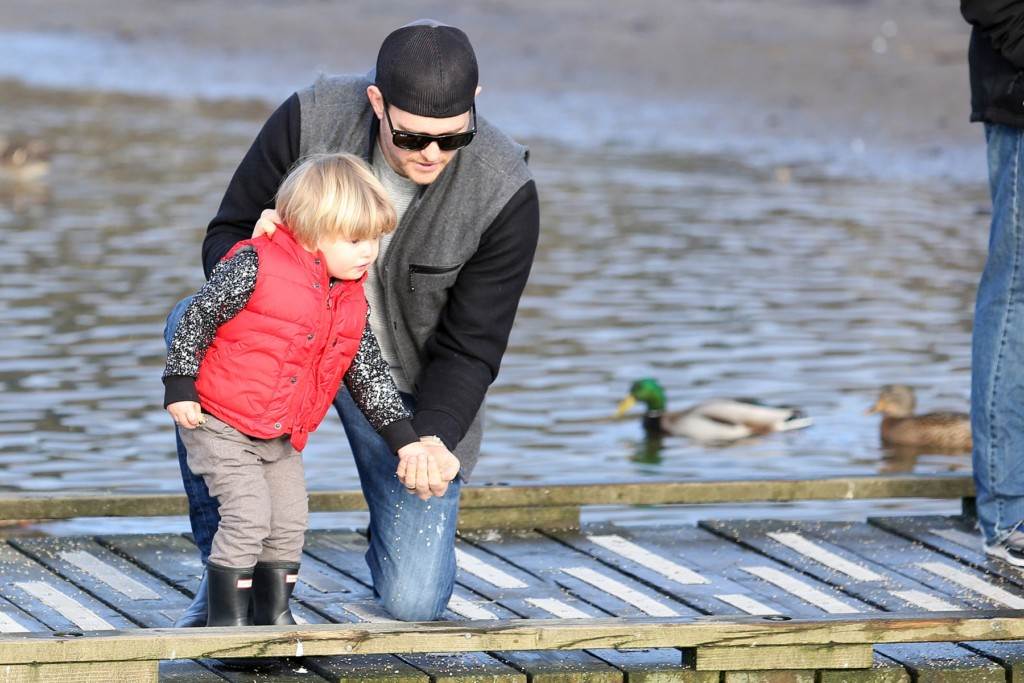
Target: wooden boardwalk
[[774, 571]]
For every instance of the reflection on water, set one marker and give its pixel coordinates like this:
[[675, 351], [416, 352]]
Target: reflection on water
[[648, 450], [716, 277]]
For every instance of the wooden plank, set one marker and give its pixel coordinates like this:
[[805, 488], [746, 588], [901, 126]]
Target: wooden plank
[[465, 666], [14, 620], [768, 676], [76, 672], [654, 665], [528, 554], [341, 549], [883, 670], [1009, 655], [526, 634], [892, 574], [889, 562], [764, 658], [415, 667], [719, 562], [561, 667], [48, 506], [538, 517], [50, 600], [945, 663], [685, 562], [284, 670], [186, 671], [175, 559], [170, 557], [962, 584], [501, 583], [646, 664], [726, 588], [533, 596], [952, 536], [382, 668], [122, 585]]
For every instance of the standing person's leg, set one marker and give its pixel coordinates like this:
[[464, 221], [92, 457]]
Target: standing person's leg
[[277, 570], [997, 368], [230, 464], [412, 542], [202, 507]]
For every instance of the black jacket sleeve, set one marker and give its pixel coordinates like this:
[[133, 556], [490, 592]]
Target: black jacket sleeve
[[464, 353], [1002, 21], [254, 185]]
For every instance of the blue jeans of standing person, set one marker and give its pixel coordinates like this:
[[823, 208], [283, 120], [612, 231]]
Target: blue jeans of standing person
[[997, 354], [411, 551]]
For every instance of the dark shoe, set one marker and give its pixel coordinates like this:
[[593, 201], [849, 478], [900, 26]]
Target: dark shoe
[[195, 614], [272, 586], [228, 596]]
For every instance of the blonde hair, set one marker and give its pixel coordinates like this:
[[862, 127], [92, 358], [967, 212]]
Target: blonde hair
[[332, 196]]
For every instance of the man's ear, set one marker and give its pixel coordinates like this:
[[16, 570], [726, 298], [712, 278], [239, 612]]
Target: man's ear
[[376, 98], [478, 89]]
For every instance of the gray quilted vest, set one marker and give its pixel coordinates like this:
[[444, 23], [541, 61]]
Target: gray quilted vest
[[440, 230]]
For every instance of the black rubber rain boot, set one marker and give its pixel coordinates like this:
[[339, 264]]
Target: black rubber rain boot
[[229, 593], [195, 614], [272, 586]]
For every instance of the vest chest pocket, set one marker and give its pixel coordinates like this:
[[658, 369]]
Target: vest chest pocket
[[423, 278]]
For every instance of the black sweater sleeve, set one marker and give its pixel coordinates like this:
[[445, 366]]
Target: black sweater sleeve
[[464, 353], [369, 381], [255, 183], [1002, 21], [223, 296]]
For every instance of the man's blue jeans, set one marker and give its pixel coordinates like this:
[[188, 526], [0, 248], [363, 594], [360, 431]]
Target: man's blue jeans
[[997, 354], [411, 542]]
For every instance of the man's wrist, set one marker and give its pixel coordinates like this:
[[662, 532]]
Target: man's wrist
[[439, 424]]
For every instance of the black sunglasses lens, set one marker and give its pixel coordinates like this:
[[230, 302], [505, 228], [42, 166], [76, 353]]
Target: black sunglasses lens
[[414, 142], [410, 141], [453, 142]]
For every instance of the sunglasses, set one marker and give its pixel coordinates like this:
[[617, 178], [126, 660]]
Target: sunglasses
[[414, 142]]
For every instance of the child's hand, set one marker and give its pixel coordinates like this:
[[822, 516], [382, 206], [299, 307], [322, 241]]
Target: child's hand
[[267, 224], [426, 468], [186, 414]]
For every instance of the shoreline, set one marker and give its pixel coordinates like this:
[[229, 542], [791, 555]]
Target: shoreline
[[875, 88]]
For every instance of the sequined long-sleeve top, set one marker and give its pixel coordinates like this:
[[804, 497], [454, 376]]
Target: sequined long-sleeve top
[[226, 293]]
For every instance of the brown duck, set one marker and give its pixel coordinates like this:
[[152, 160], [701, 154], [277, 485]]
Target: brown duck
[[23, 159], [900, 427]]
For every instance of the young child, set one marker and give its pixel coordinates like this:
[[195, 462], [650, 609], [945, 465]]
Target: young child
[[255, 364]]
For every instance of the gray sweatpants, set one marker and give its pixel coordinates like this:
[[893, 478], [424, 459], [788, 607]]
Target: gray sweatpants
[[261, 488]]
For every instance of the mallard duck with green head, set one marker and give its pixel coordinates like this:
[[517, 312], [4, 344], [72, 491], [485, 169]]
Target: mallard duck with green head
[[947, 431], [717, 420]]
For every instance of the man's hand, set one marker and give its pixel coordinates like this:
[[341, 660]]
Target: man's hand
[[267, 224], [186, 414], [426, 468]]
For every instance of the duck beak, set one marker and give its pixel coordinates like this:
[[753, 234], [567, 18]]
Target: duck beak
[[874, 409], [625, 405]]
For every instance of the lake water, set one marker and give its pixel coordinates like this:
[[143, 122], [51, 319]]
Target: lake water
[[719, 270]]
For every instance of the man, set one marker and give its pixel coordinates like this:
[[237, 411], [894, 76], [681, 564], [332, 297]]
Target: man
[[997, 389], [443, 293]]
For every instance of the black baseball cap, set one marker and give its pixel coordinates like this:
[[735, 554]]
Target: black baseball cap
[[428, 68]]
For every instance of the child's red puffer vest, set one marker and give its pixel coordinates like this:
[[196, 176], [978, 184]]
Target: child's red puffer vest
[[275, 368]]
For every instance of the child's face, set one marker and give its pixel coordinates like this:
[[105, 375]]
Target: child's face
[[348, 259]]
